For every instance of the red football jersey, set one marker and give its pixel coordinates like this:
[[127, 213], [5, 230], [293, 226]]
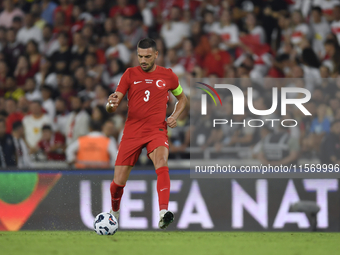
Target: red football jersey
[[147, 99]]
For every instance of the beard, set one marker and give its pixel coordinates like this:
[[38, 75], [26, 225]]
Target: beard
[[148, 67]]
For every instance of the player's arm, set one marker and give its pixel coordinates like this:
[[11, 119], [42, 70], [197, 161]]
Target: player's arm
[[113, 101], [179, 106]]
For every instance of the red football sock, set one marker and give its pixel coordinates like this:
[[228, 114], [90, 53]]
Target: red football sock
[[116, 195], [163, 187]]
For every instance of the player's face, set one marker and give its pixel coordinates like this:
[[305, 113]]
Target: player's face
[[146, 58]]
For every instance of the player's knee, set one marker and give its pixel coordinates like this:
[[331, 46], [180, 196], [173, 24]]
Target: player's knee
[[160, 162]]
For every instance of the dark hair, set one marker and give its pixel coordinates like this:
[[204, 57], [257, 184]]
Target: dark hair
[[95, 125], [16, 125], [11, 99], [34, 43], [120, 64], [17, 19], [49, 26], [103, 112], [64, 34], [317, 8], [147, 43], [282, 57], [309, 58], [46, 127], [47, 88]]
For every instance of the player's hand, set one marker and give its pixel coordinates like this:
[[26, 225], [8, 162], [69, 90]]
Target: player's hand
[[171, 122], [112, 102]]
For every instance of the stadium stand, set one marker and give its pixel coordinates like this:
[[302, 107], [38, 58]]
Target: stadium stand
[[67, 56]]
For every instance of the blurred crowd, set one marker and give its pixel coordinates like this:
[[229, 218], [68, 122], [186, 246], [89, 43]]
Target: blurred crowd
[[59, 61]]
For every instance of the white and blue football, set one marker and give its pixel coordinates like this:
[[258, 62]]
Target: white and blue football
[[105, 224]]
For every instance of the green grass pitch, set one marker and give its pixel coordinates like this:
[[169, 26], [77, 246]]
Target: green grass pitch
[[171, 242]]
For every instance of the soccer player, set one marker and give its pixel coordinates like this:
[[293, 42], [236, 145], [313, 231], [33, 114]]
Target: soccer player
[[147, 86]]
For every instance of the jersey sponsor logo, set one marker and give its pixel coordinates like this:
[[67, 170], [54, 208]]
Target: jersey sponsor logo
[[136, 82], [166, 143], [160, 84], [164, 189]]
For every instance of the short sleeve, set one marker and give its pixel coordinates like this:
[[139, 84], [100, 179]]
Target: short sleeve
[[174, 81], [124, 83]]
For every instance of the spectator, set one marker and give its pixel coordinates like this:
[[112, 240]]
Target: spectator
[[117, 49], [112, 77], [49, 43], [209, 20], [335, 25], [89, 87], [29, 31], [67, 90], [47, 101], [31, 93], [61, 115], [22, 152], [48, 8], [9, 12], [52, 144], [320, 29], [279, 149], [13, 115], [217, 60], [33, 56], [13, 49], [60, 25], [131, 34], [93, 68], [257, 32], [12, 90], [319, 127], [99, 114], [66, 8], [78, 121], [227, 30], [109, 130], [332, 50], [23, 105], [7, 149], [123, 8], [3, 75], [301, 30], [281, 34], [101, 96], [174, 31], [93, 150], [330, 147], [61, 58], [23, 71], [172, 62], [36, 14], [189, 59], [17, 23], [146, 13], [34, 122], [46, 76]]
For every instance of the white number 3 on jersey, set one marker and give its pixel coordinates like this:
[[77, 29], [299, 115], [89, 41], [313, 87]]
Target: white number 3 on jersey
[[147, 95]]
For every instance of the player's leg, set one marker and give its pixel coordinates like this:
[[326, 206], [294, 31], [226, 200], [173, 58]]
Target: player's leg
[[159, 157], [128, 153], [121, 176]]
